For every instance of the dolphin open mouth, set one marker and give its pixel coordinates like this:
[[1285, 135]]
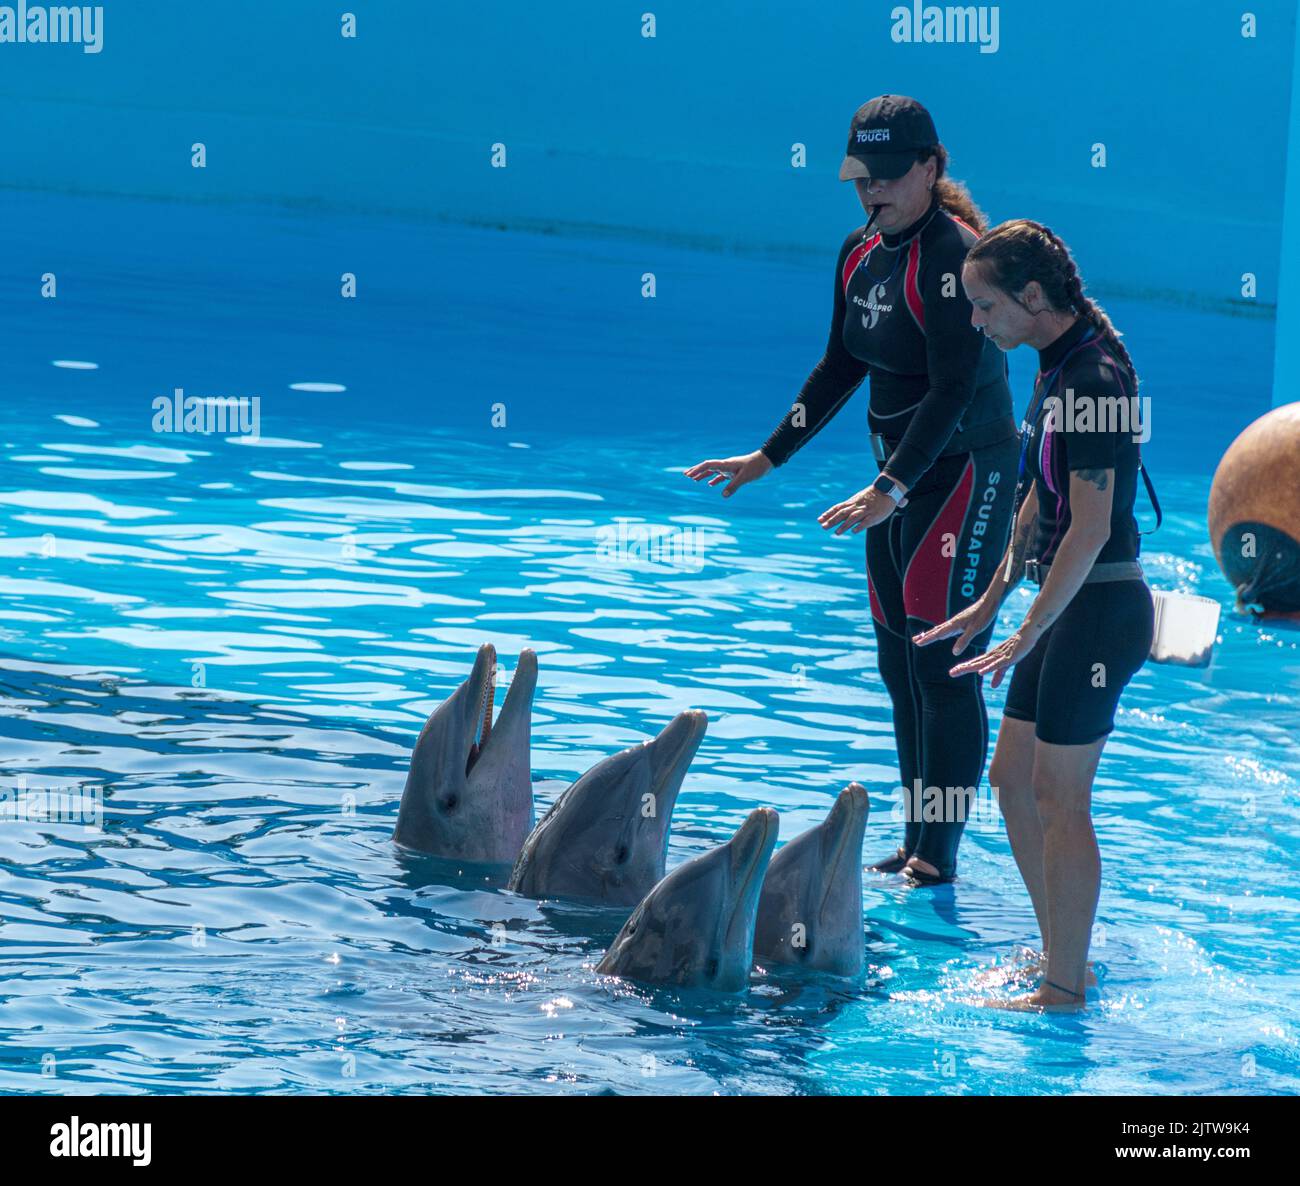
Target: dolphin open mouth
[[483, 726], [468, 792], [503, 738]]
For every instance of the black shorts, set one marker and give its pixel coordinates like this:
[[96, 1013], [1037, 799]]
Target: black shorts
[[1070, 683]]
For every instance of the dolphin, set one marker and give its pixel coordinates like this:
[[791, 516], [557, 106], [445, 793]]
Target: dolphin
[[695, 929], [469, 792], [605, 839], [810, 913]]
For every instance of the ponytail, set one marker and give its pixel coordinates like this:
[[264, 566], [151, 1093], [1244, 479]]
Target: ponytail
[[953, 195], [1095, 316]]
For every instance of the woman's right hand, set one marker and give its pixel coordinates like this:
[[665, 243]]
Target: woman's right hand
[[739, 469], [966, 625]]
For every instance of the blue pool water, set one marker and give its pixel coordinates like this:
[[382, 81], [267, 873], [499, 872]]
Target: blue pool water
[[238, 642]]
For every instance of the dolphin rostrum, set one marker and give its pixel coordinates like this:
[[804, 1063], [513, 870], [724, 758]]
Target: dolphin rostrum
[[605, 839], [696, 927], [810, 913], [469, 792]]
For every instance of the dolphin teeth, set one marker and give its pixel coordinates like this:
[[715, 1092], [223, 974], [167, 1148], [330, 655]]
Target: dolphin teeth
[[449, 807], [489, 695], [484, 729]]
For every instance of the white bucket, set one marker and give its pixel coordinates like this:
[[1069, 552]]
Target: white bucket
[[1185, 630]]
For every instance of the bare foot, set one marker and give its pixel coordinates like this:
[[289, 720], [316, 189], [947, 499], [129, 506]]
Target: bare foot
[[1044, 999], [1039, 968]]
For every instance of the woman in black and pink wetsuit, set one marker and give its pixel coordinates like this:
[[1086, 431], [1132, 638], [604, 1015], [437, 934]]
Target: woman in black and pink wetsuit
[[1089, 628], [938, 517]]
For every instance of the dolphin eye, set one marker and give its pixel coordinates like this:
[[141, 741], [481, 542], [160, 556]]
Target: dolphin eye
[[620, 854], [451, 802]]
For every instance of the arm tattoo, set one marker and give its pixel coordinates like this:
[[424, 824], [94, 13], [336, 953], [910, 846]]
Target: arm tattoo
[[1098, 477]]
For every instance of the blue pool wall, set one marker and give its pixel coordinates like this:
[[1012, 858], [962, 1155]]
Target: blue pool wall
[[687, 136]]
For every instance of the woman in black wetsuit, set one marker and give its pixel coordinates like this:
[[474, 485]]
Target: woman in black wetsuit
[[938, 516], [1089, 628]]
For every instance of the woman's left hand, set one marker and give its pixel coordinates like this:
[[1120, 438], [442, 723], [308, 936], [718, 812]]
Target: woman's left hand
[[1002, 657], [865, 509]]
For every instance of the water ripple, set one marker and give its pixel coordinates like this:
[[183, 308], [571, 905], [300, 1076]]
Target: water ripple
[[243, 691]]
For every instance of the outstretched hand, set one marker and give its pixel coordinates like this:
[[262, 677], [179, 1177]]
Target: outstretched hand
[[965, 625], [741, 470], [864, 509], [1002, 657]]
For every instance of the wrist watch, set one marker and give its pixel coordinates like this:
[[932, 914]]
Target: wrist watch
[[887, 485]]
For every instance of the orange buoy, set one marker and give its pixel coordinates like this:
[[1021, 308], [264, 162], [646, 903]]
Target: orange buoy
[[1255, 514]]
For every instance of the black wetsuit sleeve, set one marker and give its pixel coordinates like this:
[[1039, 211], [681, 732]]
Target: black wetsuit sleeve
[[952, 350], [826, 390]]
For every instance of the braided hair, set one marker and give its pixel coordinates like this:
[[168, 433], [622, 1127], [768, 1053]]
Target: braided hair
[[1016, 252]]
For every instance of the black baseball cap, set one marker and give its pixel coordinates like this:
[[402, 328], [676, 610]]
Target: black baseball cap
[[885, 136]]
